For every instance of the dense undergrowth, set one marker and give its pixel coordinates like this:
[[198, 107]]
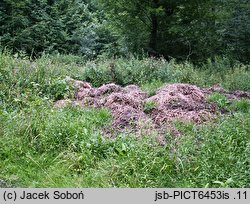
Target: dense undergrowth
[[41, 146]]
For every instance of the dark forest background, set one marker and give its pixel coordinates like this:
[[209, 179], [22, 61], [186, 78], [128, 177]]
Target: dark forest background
[[181, 29]]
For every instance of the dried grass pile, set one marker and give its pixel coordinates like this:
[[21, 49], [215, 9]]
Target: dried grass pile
[[182, 102]]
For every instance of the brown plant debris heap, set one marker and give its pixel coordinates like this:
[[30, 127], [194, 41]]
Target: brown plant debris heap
[[182, 102]]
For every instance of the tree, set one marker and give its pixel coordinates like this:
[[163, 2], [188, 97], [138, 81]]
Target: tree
[[36, 26], [237, 31], [174, 28], [138, 21]]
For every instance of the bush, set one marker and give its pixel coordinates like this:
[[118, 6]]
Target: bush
[[21, 79]]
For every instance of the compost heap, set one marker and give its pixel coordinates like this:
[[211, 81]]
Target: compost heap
[[133, 110]]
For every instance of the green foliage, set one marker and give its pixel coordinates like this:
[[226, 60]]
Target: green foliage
[[67, 147], [237, 30], [52, 27], [237, 80], [195, 30], [59, 89], [149, 106], [23, 81], [152, 87], [145, 71], [62, 148], [125, 71], [186, 30], [220, 100], [241, 105]]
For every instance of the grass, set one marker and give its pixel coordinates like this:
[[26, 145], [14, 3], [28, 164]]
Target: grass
[[66, 150], [41, 146], [220, 100], [149, 106]]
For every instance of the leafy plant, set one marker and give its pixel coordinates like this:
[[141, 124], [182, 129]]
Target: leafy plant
[[149, 106], [220, 100], [152, 87], [59, 89], [241, 105]]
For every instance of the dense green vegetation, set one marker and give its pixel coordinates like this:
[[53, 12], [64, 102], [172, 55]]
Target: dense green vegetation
[[46, 147], [147, 43], [184, 30]]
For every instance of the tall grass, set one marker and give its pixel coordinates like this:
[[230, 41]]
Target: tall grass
[[22, 79], [65, 148], [41, 146]]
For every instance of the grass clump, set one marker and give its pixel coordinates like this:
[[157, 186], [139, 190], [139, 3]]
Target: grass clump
[[152, 87], [220, 100], [241, 106], [149, 106]]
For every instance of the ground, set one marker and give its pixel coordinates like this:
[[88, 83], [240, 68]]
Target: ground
[[134, 110]]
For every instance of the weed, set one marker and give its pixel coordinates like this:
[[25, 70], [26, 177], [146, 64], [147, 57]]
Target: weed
[[220, 100], [241, 106], [152, 87], [149, 106]]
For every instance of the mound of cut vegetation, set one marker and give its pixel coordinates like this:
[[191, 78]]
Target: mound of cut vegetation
[[133, 110]]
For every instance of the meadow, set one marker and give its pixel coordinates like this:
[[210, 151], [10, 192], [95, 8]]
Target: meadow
[[42, 146]]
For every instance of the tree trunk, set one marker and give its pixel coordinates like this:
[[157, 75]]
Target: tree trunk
[[154, 28], [154, 32]]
